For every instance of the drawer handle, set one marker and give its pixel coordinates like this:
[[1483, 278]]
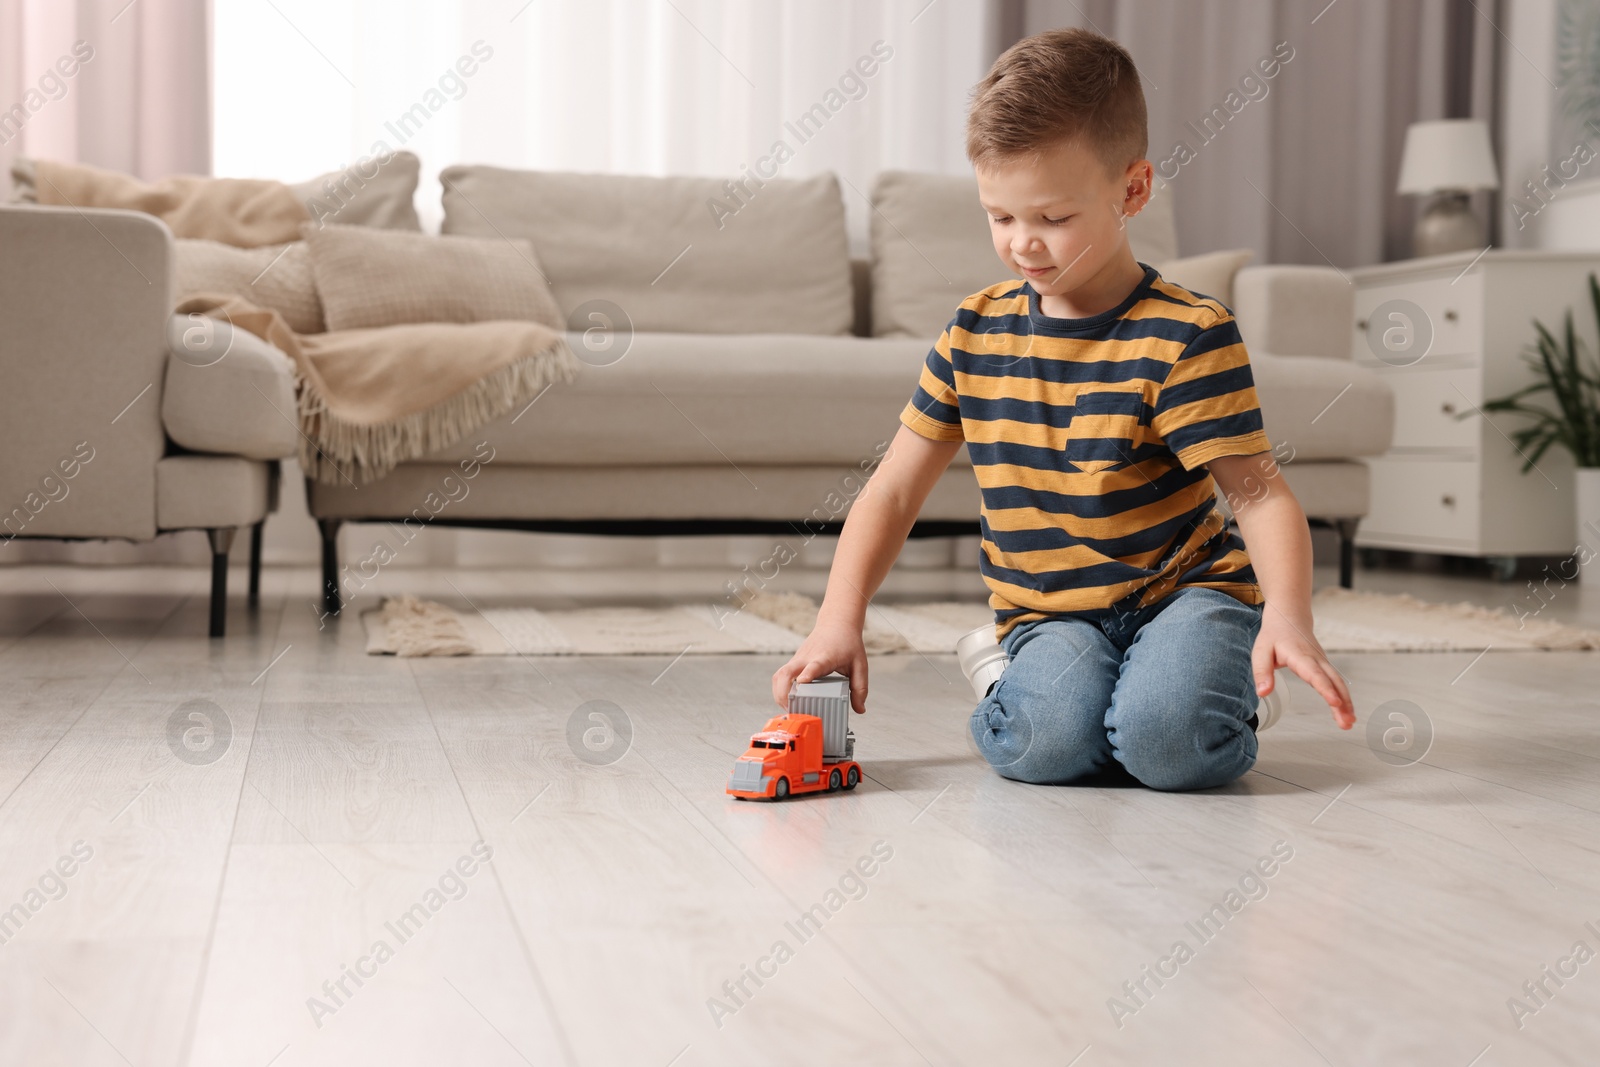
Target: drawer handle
[[1448, 501], [1448, 408], [1450, 315]]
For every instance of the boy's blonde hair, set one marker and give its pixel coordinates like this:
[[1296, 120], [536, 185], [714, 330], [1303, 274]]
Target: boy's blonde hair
[[1060, 85]]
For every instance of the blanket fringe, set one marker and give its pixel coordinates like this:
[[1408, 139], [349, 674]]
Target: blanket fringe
[[335, 452]]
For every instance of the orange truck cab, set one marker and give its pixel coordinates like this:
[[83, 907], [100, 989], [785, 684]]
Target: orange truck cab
[[786, 757], [808, 750]]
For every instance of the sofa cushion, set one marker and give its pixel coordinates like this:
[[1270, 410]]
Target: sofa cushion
[[679, 254], [931, 249], [713, 399], [272, 276], [373, 191], [1296, 394], [227, 391], [372, 277], [708, 399]]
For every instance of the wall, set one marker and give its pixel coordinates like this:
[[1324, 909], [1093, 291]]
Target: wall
[[1539, 207], [1527, 106]]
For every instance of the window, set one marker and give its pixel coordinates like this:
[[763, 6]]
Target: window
[[690, 87]]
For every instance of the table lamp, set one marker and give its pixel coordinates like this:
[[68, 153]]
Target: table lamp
[[1450, 157]]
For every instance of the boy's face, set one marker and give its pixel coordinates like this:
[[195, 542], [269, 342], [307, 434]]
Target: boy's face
[[1058, 218]]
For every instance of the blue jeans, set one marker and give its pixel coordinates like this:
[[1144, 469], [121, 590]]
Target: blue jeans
[[1163, 693]]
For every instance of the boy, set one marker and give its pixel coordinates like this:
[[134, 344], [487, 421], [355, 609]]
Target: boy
[[1102, 407]]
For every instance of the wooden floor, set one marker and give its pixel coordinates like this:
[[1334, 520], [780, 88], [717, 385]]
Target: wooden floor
[[630, 913]]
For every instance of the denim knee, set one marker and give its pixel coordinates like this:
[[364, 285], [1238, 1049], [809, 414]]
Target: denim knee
[[1180, 716], [1194, 747], [1038, 743], [1044, 720]]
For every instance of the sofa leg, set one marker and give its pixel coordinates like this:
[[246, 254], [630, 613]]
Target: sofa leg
[[221, 542], [255, 564], [331, 603], [1347, 551]]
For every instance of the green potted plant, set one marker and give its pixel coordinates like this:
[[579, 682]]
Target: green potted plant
[[1571, 375]]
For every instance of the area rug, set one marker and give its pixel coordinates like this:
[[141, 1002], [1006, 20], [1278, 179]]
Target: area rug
[[776, 623]]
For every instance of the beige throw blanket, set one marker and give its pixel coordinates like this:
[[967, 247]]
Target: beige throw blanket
[[370, 399], [246, 213]]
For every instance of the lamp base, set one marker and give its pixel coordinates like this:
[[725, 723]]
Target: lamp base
[[1448, 226]]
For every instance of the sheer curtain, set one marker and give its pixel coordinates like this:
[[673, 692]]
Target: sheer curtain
[[1304, 169], [137, 98], [627, 86]]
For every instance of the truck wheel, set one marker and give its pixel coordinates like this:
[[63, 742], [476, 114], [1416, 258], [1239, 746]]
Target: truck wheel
[[852, 779], [833, 781], [781, 790]]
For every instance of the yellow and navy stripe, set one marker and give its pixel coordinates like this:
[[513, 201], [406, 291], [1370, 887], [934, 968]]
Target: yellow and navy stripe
[[1089, 438]]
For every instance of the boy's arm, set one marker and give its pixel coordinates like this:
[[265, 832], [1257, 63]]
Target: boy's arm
[[874, 532], [1275, 533]]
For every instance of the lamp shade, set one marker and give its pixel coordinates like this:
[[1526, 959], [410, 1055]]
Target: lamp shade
[[1447, 154]]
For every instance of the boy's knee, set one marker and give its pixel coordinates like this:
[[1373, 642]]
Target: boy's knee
[[1176, 753], [1035, 741], [1170, 777]]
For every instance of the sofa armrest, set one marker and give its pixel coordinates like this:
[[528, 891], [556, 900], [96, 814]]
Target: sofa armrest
[[1295, 310], [228, 392], [84, 300]]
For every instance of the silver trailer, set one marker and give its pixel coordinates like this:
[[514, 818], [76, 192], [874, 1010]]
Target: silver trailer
[[829, 700]]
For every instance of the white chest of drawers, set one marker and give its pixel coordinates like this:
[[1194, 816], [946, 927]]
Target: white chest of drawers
[[1448, 333]]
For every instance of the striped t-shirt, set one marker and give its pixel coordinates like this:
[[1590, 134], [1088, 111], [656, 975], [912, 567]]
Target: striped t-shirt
[[1088, 437]]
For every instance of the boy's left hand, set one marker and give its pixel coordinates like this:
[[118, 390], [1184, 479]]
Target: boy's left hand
[[1285, 642]]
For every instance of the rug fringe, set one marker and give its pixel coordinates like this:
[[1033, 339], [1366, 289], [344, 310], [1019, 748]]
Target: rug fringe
[[423, 628]]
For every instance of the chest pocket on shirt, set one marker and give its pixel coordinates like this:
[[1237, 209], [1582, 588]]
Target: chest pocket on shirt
[[1104, 429]]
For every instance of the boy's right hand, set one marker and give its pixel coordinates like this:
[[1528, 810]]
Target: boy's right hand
[[830, 648]]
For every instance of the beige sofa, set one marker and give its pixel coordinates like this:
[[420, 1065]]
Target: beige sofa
[[741, 370], [119, 420]]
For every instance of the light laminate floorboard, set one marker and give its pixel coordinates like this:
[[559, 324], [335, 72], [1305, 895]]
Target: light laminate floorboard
[[222, 895]]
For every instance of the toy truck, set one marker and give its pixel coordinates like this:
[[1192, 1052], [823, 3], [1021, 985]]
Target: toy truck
[[809, 750]]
